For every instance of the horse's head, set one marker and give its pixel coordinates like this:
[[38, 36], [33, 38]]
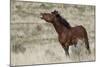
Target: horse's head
[[49, 17]]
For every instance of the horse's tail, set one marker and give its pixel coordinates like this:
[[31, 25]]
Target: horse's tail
[[86, 40], [87, 44]]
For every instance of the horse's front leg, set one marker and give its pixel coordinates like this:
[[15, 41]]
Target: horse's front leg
[[65, 46], [66, 49]]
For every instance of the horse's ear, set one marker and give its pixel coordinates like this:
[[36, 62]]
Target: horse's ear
[[55, 12], [52, 12]]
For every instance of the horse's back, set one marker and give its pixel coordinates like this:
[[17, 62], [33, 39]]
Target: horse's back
[[78, 31]]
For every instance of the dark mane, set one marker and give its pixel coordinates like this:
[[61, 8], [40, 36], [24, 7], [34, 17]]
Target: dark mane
[[63, 21]]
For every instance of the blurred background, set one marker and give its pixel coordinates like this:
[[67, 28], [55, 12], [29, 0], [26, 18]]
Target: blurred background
[[34, 41]]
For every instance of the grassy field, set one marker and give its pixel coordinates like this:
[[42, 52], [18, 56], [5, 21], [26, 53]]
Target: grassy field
[[34, 41]]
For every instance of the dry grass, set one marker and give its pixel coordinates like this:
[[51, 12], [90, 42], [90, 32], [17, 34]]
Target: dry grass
[[33, 41]]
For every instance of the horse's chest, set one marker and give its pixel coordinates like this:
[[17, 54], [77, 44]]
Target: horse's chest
[[64, 37]]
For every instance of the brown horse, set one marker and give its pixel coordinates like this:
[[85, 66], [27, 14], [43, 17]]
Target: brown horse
[[67, 35]]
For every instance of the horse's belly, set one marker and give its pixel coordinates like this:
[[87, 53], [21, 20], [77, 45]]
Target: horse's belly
[[77, 41]]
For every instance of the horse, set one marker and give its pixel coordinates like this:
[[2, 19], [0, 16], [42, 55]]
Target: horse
[[67, 35]]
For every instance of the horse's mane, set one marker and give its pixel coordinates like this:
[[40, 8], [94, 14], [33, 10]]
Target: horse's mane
[[63, 21]]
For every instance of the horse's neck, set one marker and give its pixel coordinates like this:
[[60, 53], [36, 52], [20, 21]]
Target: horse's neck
[[60, 28]]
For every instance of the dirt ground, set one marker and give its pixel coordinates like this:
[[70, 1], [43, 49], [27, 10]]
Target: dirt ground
[[34, 41]]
